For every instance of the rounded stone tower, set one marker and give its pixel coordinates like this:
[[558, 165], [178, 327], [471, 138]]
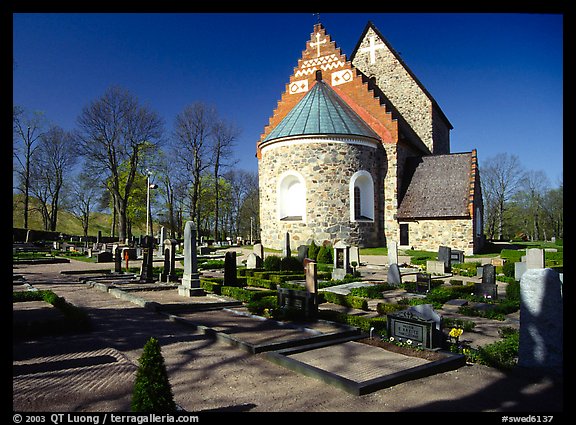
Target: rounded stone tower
[[321, 173]]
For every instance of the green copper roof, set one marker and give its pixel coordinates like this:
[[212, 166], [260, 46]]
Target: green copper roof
[[321, 112]]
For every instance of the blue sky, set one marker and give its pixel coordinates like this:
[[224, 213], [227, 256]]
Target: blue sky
[[498, 77]]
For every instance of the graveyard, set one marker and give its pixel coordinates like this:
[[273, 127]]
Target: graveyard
[[392, 319]]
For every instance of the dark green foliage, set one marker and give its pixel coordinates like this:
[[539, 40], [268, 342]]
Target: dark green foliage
[[513, 291], [272, 263], [325, 255], [361, 322], [501, 354], [291, 264], [508, 269], [258, 306], [372, 291], [345, 300], [152, 390], [386, 308], [313, 250]]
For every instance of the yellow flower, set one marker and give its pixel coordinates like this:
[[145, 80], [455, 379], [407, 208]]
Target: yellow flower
[[456, 332]]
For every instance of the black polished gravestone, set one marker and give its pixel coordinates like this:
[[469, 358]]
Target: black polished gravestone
[[419, 326], [487, 288]]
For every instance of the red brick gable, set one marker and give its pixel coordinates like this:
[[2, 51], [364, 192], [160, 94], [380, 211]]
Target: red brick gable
[[322, 55]]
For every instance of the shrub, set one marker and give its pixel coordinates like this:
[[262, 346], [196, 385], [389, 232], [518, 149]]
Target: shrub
[[152, 390], [325, 255], [501, 354], [386, 308], [291, 264], [259, 306], [372, 291], [508, 269], [313, 250], [345, 300], [272, 263], [513, 291]]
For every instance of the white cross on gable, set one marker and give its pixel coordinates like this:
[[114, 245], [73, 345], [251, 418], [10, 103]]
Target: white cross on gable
[[372, 48], [317, 44]]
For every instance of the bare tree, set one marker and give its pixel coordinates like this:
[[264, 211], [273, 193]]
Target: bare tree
[[27, 130], [501, 177], [116, 136], [86, 196], [192, 132], [53, 161], [535, 185], [225, 135]]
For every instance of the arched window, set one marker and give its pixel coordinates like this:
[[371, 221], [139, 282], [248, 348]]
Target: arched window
[[291, 197], [361, 196]]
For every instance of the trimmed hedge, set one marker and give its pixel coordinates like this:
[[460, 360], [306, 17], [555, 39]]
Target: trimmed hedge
[[245, 295], [361, 322], [345, 300]]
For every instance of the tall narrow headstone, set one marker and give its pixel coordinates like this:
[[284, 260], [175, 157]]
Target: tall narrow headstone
[[230, 270], [191, 279], [259, 250], [161, 241], [286, 252], [169, 272], [147, 260], [302, 252], [541, 320], [392, 252], [355, 255]]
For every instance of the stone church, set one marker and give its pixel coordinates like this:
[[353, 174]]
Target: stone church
[[359, 151]]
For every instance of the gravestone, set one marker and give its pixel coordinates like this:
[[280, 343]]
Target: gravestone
[[230, 268], [302, 304], [286, 252], [392, 252], [420, 324], [535, 258], [394, 277], [169, 272], [456, 256], [258, 249], [541, 320], [253, 261], [445, 255], [355, 255], [146, 269], [487, 288], [341, 261], [519, 269], [161, 241], [191, 279], [118, 259], [99, 236], [302, 253], [435, 267], [104, 257]]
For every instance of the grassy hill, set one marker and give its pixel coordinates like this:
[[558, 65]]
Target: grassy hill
[[67, 223]]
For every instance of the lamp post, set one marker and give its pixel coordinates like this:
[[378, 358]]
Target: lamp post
[[148, 212]]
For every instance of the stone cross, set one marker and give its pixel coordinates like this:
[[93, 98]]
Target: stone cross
[[372, 48], [317, 44]]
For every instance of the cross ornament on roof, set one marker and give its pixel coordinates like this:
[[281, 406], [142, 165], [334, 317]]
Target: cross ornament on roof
[[372, 48], [317, 44]]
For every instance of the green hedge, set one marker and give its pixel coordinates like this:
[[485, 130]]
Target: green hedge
[[386, 308], [361, 322], [345, 300], [372, 291], [245, 295]]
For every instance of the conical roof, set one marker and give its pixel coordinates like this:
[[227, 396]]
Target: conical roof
[[321, 112]]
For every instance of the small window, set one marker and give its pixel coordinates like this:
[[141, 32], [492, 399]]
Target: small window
[[404, 240]]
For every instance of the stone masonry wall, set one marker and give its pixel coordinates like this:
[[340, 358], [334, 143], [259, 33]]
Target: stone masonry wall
[[326, 167], [403, 91], [428, 235]]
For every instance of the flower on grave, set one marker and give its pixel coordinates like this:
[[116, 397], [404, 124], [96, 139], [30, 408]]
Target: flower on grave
[[455, 334], [409, 341], [391, 339]]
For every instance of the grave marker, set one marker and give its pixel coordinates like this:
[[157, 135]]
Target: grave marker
[[169, 272], [420, 325], [541, 320], [341, 261], [191, 279]]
